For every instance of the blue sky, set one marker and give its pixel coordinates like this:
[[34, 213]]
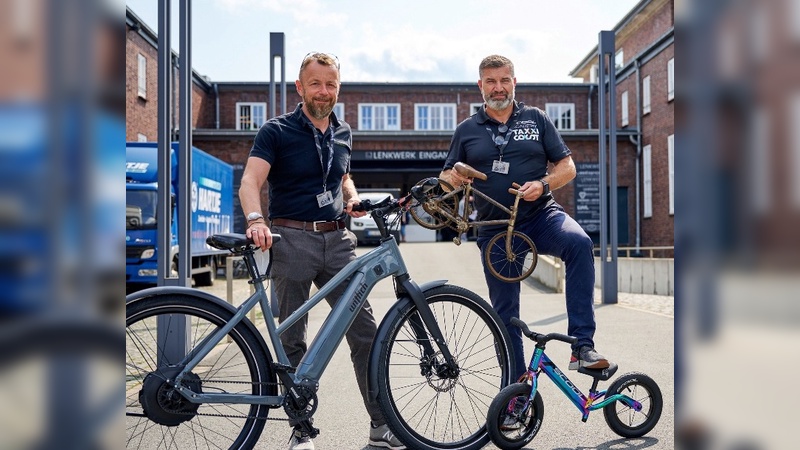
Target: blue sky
[[396, 41]]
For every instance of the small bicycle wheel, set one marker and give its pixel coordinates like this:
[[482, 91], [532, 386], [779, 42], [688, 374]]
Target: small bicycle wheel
[[428, 211], [427, 404], [513, 421], [157, 416], [625, 420], [511, 263]]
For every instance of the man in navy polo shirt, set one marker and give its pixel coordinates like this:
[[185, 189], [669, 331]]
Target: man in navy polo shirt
[[305, 155], [511, 142]]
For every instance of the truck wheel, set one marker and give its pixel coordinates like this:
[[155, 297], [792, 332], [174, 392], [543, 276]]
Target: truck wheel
[[207, 278]]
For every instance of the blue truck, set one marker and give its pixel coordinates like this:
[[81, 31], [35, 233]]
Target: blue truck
[[211, 212]]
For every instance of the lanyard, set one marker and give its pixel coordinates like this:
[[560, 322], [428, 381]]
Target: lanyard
[[500, 141], [317, 140]]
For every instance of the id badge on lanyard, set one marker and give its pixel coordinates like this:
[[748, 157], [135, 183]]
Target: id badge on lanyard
[[326, 197]]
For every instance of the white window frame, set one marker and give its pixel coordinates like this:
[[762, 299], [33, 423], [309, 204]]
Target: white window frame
[[385, 123], [623, 109], [142, 82], [671, 79], [671, 159], [594, 73], [619, 59], [338, 110], [474, 107], [647, 182], [441, 117], [646, 95], [141, 137], [556, 113], [253, 124]]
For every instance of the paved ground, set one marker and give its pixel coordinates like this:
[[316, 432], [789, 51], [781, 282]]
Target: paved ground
[[636, 333]]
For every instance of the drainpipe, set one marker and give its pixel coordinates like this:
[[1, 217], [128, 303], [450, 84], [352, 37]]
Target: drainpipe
[[216, 105], [589, 101], [638, 142]]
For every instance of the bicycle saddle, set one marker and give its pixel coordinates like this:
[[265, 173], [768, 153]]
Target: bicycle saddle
[[600, 374], [234, 241], [467, 171]]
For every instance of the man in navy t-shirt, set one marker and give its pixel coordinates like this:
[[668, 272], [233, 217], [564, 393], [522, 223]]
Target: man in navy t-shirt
[[305, 156], [514, 143]]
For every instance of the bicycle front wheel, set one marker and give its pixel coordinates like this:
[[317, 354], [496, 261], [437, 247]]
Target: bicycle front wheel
[[511, 260], [157, 416], [426, 404], [429, 212]]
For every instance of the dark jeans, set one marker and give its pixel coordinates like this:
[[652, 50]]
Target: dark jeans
[[303, 257], [556, 234]]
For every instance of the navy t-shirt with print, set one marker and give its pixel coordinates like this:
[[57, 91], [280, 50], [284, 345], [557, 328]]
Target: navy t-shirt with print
[[533, 141], [295, 177]]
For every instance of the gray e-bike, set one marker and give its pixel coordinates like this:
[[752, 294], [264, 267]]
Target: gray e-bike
[[199, 374]]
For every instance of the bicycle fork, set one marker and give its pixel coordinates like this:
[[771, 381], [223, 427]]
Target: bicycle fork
[[425, 320]]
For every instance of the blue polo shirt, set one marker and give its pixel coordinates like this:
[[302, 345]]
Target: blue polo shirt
[[531, 142], [295, 177]]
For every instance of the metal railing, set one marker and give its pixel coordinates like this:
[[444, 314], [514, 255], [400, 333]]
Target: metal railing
[[643, 252]]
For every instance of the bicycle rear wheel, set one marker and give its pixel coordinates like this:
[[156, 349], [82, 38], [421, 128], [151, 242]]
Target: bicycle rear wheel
[[428, 214], [626, 421], [424, 405], [512, 261], [156, 415]]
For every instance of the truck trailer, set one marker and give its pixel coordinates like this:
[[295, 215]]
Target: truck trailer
[[211, 212]]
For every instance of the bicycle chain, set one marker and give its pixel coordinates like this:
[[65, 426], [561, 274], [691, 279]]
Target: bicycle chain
[[231, 416]]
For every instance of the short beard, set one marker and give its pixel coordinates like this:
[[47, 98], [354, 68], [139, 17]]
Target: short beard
[[499, 105], [319, 113]]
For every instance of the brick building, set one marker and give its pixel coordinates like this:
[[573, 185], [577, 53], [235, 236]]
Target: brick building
[[645, 56], [402, 131]]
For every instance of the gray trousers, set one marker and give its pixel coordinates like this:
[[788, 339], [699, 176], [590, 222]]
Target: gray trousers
[[303, 257]]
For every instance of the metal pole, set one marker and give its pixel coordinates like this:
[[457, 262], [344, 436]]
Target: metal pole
[[185, 145], [277, 49], [164, 213], [608, 268]]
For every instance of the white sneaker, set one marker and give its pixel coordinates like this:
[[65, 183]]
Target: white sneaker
[[382, 436], [299, 441]]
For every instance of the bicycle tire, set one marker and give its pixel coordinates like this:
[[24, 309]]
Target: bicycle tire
[[515, 266], [426, 411], [626, 421], [425, 212], [528, 421], [239, 364]]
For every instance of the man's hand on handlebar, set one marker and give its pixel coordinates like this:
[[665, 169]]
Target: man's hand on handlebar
[[354, 212]]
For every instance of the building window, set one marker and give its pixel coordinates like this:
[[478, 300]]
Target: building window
[[434, 116], [562, 115], [594, 73], [474, 108], [623, 105], [378, 116], [671, 79], [142, 76], [647, 182], [671, 158], [619, 59], [338, 111], [646, 95], [250, 116], [141, 138]]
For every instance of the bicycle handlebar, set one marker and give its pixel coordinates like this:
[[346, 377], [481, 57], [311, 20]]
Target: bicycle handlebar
[[542, 338]]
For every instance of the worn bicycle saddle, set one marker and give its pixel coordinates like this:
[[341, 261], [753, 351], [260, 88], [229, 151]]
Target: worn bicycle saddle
[[467, 171]]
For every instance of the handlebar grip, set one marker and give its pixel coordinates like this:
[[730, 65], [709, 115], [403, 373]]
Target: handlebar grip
[[562, 338], [363, 206], [521, 325]]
